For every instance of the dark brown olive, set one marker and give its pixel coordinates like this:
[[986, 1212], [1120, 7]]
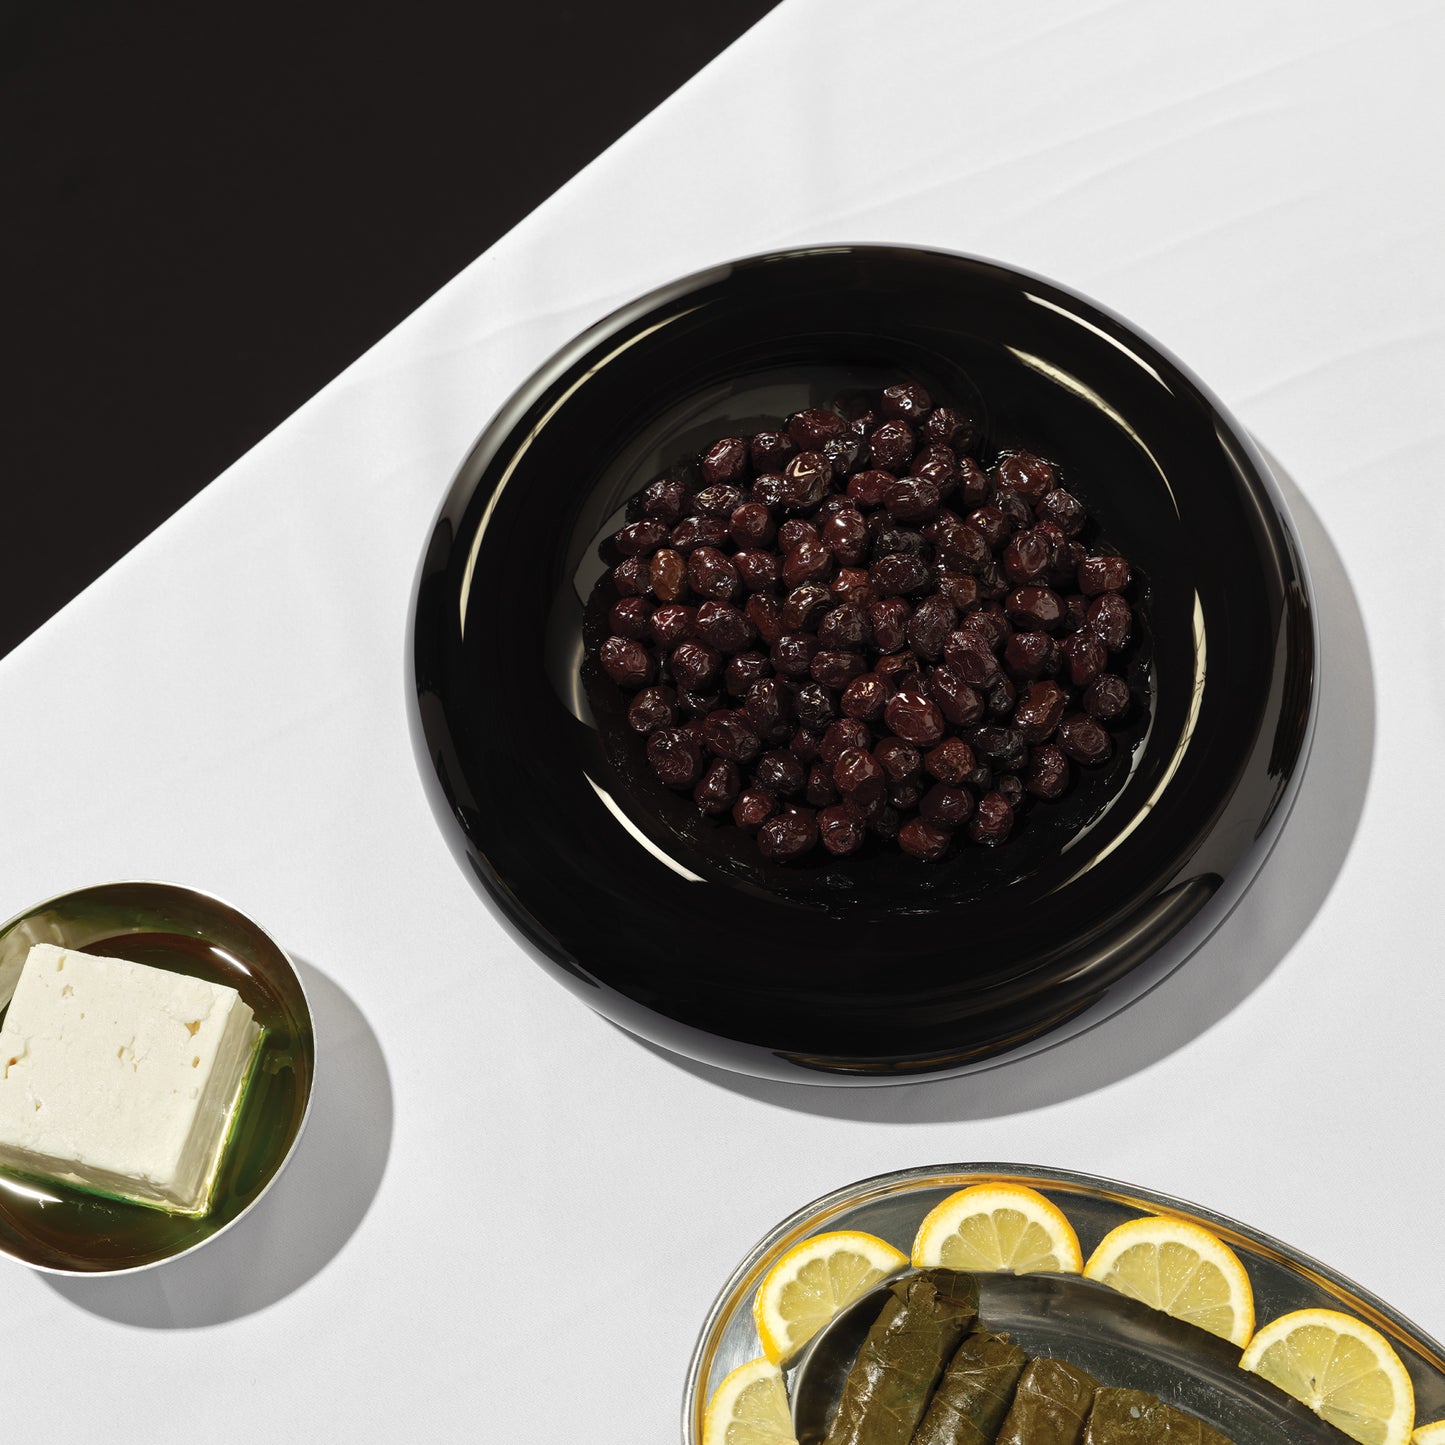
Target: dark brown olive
[[630, 617], [725, 460], [1103, 574], [837, 669], [950, 762], [815, 705], [991, 624], [913, 716], [1028, 655], [804, 745], [809, 561], [1083, 740], [959, 703], [898, 759], [667, 573], [671, 624], [891, 445], [792, 654], [750, 524], [846, 733], [806, 477], [962, 547], [885, 823], [1035, 609], [1076, 612], [743, 669], [811, 428], [758, 570], [768, 706], [652, 708], [906, 400], [694, 665], [899, 574], [999, 697], [958, 588], [889, 537], [864, 697], [1009, 787], [936, 463], [729, 735], [1039, 711], [1107, 697], [793, 531], [1110, 620], [820, 789], [675, 757], [888, 617], [640, 539], [920, 839], [858, 777], [905, 795], [766, 614], [626, 662], [840, 831], [694, 706], [1030, 476], [694, 532], [1085, 657], [1001, 748], [632, 578], [933, 620], [911, 499], [753, 808], [865, 489], [1048, 772], [968, 653], [780, 773], [845, 535], [853, 584], [898, 669], [845, 452], [975, 487], [950, 427], [717, 790], [990, 524], [1063, 509], [992, 821], [712, 574], [788, 835], [845, 628], [946, 807], [1026, 557], [805, 607], [720, 501], [770, 451], [665, 498]]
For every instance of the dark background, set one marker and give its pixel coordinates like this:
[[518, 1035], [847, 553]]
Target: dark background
[[209, 213]]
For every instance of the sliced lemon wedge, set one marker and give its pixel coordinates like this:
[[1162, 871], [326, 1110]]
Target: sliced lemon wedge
[[1180, 1268], [998, 1227], [813, 1281], [749, 1407], [1346, 1372], [1431, 1434]]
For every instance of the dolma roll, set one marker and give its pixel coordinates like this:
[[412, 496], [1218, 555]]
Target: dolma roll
[[975, 1392], [1130, 1417], [1050, 1405], [888, 1388]]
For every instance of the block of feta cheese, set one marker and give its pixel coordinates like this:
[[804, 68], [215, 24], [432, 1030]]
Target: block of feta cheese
[[121, 1078]]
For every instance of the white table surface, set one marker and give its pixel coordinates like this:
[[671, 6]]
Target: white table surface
[[495, 1180]]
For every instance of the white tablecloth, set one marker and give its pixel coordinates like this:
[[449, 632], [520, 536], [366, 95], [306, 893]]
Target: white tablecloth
[[509, 1218]]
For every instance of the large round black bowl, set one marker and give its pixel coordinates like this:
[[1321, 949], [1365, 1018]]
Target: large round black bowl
[[876, 967]]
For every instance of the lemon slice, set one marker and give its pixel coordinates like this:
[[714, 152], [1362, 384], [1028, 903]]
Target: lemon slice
[[1346, 1372], [813, 1281], [1432, 1434], [998, 1227], [750, 1407], [1181, 1269]]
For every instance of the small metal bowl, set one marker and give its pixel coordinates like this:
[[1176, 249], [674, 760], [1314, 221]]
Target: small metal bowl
[[60, 1230], [874, 968]]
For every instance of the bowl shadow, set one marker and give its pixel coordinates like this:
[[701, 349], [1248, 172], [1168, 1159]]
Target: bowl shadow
[[1262, 929], [308, 1216]]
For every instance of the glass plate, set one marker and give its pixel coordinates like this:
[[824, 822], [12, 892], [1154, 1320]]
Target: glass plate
[[1118, 1340]]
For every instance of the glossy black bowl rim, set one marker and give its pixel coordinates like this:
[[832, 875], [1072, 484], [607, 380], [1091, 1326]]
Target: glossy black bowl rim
[[1116, 993]]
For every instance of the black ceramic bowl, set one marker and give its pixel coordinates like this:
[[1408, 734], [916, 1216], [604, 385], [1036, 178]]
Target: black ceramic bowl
[[875, 967]]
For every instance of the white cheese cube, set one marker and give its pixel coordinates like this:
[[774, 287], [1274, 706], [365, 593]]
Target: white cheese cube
[[121, 1078]]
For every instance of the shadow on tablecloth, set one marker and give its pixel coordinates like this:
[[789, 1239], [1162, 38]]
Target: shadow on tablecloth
[[1269, 921], [310, 1213]]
